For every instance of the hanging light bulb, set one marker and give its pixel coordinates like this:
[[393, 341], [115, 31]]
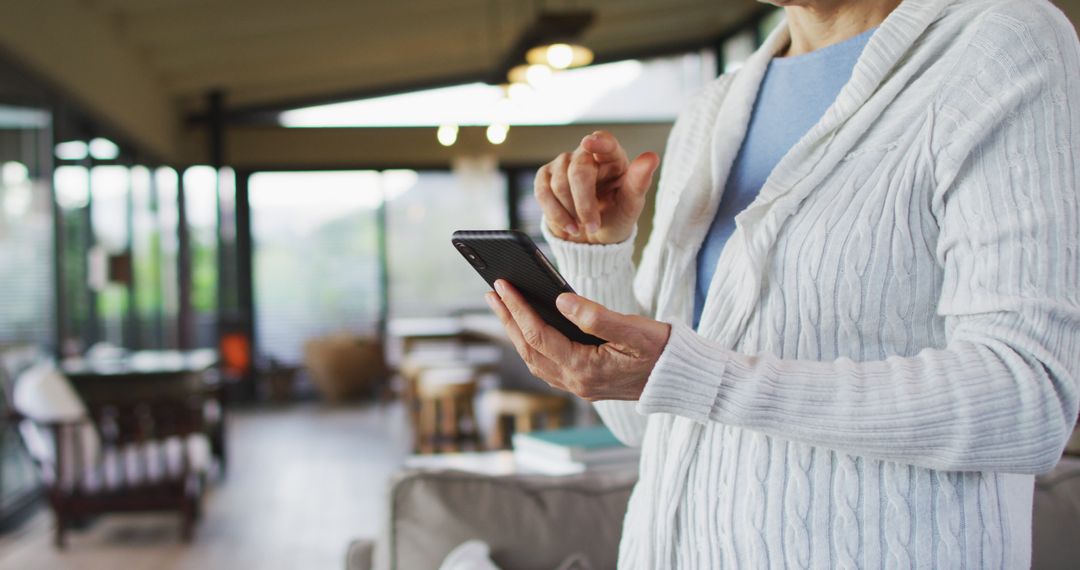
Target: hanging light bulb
[[560, 55], [496, 134], [536, 74], [447, 135]]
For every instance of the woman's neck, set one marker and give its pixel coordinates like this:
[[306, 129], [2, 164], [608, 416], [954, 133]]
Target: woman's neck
[[816, 24]]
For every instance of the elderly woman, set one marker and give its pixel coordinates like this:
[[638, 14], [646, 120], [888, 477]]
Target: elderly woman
[[854, 335]]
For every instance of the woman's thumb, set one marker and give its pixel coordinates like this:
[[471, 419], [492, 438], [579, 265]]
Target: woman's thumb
[[592, 317], [639, 174]]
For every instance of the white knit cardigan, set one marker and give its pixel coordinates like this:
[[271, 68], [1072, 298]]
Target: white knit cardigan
[[891, 341]]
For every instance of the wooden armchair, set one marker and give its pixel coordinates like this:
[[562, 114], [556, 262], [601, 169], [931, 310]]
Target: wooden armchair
[[150, 456]]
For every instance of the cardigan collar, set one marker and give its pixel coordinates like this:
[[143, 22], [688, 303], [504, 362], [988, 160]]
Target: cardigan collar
[[735, 288]]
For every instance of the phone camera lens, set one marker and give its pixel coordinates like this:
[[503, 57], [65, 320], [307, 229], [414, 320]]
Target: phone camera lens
[[471, 256]]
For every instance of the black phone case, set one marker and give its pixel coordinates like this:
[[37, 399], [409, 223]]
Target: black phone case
[[512, 255]]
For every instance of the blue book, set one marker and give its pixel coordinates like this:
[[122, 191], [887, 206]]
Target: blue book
[[587, 445]]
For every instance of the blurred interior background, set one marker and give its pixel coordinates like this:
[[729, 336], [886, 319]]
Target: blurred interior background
[[241, 210]]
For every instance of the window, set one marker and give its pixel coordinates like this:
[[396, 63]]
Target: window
[[110, 262], [427, 276], [529, 214], [26, 230], [79, 318], [146, 259], [316, 266], [166, 184], [201, 208], [737, 49]]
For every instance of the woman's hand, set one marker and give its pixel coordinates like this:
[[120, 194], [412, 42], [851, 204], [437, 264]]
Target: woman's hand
[[595, 194], [616, 370]]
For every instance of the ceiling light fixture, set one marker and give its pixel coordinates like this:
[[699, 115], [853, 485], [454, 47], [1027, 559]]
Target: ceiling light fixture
[[560, 55], [546, 45]]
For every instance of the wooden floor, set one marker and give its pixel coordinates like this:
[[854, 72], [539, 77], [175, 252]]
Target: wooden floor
[[303, 482]]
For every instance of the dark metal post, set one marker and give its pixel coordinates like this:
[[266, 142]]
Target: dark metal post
[[47, 168], [244, 283], [93, 332], [133, 334], [216, 110], [384, 267], [186, 316], [513, 195]]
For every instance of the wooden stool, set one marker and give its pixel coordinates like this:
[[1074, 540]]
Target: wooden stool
[[482, 359], [520, 410], [447, 420]]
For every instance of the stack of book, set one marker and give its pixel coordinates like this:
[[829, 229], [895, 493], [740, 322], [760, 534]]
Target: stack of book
[[572, 450]]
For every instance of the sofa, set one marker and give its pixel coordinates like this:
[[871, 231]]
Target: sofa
[[1056, 538], [540, 523], [529, 522]]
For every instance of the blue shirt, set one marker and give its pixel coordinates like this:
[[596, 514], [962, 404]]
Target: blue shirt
[[794, 94]]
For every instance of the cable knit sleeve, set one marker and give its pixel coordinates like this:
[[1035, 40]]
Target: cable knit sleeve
[[1001, 395], [604, 273]]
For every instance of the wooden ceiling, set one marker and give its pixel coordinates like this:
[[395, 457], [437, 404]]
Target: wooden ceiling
[[142, 66], [267, 51]]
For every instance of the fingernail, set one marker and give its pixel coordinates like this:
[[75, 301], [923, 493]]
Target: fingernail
[[572, 229], [566, 303], [500, 287], [490, 300], [592, 227]]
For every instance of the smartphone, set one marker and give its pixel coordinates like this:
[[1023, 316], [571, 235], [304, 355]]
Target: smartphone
[[511, 255]]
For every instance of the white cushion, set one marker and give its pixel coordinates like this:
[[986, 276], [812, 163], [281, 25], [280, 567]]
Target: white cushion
[[114, 467], [469, 555], [153, 461], [476, 555], [44, 395]]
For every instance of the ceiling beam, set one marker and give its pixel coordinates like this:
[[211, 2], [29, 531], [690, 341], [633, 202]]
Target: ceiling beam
[[259, 148], [76, 49]]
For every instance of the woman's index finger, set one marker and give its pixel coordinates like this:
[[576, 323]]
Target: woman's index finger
[[604, 147]]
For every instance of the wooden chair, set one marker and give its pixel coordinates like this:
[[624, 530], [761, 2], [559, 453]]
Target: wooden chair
[[522, 412], [447, 421], [153, 457]]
